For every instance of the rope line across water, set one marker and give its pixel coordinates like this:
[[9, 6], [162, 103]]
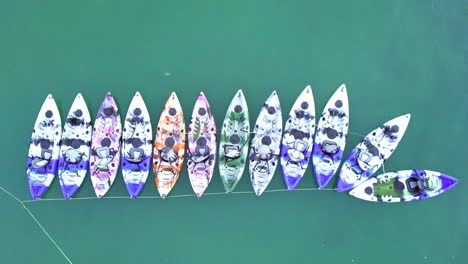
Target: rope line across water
[[23, 203], [174, 196], [38, 223], [30, 213]]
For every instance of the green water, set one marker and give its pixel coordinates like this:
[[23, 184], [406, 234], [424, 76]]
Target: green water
[[394, 56]]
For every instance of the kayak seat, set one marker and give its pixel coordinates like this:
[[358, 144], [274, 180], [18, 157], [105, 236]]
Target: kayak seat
[[414, 186]]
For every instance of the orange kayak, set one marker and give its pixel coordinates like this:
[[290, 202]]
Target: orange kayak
[[169, 146]]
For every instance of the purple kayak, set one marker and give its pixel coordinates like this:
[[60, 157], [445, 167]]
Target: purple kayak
[[370, 154], [330, 139], [75, 148], [136, 146], [44, 148], [105, 146], [201, 149], [296, 145]]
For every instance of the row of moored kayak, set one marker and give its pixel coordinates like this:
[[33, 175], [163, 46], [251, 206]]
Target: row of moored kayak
[[105, 146]]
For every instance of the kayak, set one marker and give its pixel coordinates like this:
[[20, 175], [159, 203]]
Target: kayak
[[296, 146], [265, 145], [404, 186], [137, 146], [169, 146], [75, 148], [105, 146], [44, 148], [201, 149], [234, 140], [370, 154], [330, 139]]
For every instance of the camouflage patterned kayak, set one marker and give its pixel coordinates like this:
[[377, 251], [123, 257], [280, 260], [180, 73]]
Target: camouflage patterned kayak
[[296, 146], [75, 150], [105, 146], [201, 149], [402, 186], [137, 146], [330, 139], [265, 145], [234, 140], [370, 154], [44, 148], [169, 146]]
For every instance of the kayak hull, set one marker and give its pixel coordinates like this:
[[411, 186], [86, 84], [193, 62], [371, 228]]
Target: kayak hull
[[201, 151], [137, 146], [234, 141], [330, 139], [297, 142], [370, 154], [105, 146], [404, 186], [169, 146], [42, 162], [265, 145]]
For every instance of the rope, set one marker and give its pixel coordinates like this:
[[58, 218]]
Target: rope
[[47, 234], [38, 223], [176, 196], [23, 203], [11, 195], [356, 134]]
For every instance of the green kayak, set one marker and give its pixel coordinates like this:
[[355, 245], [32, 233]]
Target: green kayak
[[234, 141]]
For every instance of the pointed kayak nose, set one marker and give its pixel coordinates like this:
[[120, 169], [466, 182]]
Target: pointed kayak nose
[[323, 180], [68, 191], [341, 186], [292, 182], [448, 181], [133, 190], [229, 187], [37, 191]]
